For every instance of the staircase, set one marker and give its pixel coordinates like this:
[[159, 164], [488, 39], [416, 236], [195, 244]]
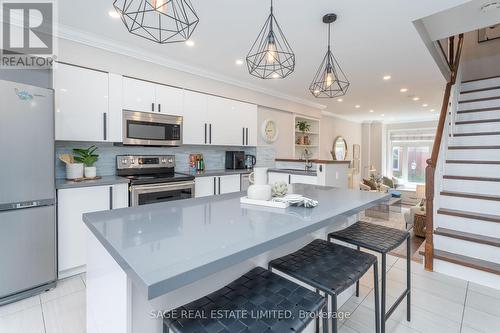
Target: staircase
[[467, 195]]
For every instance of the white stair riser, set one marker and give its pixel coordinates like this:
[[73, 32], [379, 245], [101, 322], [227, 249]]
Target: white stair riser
[[474, 155], [471, 205], [479, 227], [477, 128], [479, 105], [480, 94], [488, 83], [478, 115], [470, 186], [466, 248], [470, 274], [476, 140], [472, 170]]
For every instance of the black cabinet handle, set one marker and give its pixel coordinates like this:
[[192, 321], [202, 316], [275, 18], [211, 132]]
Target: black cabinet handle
[[215, 185], [110, 197], [105, 125], [219, 185], [243, 136], [153, 107], [247, 136], [289, 179], [210, 133], [205, 133]]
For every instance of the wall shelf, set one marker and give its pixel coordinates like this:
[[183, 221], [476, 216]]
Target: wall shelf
[[313, 136]]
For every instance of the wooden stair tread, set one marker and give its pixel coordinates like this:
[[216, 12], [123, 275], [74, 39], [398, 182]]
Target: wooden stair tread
[[480, 121], [479, 90], [477, 134], [484, 99], [475, 238], [469, 215], [471, 162], [478, 179], [479, 264], [482, 79], [472, 147], [479, 110], [471, 195]]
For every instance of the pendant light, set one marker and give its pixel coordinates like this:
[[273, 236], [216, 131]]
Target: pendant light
[[270, 56], [330, 81], [161, 21]]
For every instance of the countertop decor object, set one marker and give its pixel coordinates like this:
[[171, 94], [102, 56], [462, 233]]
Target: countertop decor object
[[330, 80], [160, 21], [271, 56], [259, 190], [88, 158], [265, 203], [280, 189]]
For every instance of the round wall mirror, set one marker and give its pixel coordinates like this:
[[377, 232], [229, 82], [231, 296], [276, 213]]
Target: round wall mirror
[[339, 149]]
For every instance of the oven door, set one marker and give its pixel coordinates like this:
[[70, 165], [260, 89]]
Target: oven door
[[154, 193], [150, 129]]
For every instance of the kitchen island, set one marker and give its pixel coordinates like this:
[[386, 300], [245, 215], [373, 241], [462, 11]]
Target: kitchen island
[[154, 258]]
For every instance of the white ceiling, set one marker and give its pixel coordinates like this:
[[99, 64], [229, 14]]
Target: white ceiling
[[370, 39]]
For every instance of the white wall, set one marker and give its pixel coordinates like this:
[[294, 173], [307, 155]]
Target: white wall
[[284, 144], [480, 60]]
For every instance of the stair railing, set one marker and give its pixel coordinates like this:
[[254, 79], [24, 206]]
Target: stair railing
[[453, 58]]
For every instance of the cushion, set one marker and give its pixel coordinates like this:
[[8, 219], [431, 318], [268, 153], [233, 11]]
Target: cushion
[[371, 183]]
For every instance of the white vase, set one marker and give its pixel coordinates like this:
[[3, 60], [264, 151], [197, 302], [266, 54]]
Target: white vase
[[258, 176], [90, 172], [260, 190], [74, 170]]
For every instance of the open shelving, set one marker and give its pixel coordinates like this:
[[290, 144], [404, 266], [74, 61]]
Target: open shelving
[[313, 135]]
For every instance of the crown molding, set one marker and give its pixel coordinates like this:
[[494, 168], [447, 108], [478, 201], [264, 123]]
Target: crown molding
[[93, 40], [334, 115]]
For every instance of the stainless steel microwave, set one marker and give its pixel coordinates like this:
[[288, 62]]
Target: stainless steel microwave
[[151, 129]]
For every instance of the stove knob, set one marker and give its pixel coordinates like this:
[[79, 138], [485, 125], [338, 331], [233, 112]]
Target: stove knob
[[124, 161]]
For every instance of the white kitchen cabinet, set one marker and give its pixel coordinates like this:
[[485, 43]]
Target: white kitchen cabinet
[[72, 232], [205, 186], [311, 180], [81, 104], [275, 177], [229, 184], [195, 123], [223, 118], [248, 115], [139, 95], [169, 100]]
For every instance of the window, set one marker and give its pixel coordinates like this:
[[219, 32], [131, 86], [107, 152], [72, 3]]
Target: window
[[410, 151]]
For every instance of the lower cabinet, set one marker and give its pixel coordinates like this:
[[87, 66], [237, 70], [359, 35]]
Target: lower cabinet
[[274, 177], [72, 232], [207, 186]]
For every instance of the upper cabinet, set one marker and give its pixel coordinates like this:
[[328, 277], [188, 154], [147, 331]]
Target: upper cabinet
[[139, 95], [81, 104], [195, 125]]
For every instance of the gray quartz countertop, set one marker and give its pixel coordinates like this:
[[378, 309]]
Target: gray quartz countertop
[[215, 173], [295, 172], [105, 180], [165, 246]]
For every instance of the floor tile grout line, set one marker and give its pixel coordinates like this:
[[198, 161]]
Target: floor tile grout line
[[43, 318], [463, 310]]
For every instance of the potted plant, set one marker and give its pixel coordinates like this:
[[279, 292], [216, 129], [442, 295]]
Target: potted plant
[[88, 158], [304, 127]]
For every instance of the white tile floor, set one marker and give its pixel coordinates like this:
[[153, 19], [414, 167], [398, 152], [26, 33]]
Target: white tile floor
[[440, 304]]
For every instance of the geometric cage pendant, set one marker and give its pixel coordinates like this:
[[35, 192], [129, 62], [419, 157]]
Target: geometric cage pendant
[[330, 80], [271, 56], [161, 21]]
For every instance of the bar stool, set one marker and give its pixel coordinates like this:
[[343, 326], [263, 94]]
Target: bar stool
[[247, 299], [381, 240], [331, 269]]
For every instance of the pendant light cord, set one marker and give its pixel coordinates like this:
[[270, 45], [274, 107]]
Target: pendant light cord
[[329, 35]]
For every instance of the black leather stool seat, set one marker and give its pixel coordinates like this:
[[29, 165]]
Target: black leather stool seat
[[257, 291], [370, 236], [325, 266]]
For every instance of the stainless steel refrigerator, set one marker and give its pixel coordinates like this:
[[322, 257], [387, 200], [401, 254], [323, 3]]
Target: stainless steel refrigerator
[[27, 191]]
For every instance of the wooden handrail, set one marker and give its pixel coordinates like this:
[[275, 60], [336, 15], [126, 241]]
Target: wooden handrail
[[430, 171]]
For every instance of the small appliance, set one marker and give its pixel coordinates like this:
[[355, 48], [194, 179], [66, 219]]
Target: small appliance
[[153, 179], [151, 129], [235, 160], [250, 161]]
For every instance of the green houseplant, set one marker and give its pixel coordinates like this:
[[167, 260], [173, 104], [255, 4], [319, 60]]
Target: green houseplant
[[88, 158], [304, 127]]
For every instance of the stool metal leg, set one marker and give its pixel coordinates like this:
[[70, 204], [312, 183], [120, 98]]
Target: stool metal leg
[[357, 282], [317, 318], [165, 328], [325, 318], [384, 263], [408, 279], [333, 299], [377, 301]]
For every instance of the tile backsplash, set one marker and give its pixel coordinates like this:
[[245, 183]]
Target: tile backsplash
[[106, 166]]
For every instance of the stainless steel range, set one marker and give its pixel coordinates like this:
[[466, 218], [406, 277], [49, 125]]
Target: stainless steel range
[[153, 179]]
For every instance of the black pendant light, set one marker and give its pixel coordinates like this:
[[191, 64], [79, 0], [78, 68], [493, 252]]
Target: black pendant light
[[161, 21], [330, 81], [271, 57]]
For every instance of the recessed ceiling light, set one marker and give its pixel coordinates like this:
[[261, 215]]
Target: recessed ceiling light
[[340, 100], [387, 77], [114, 14], [239, 62], [357, 106], [416, 98], [190, 43], [403, 90], [425, 105], [371, 111]]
